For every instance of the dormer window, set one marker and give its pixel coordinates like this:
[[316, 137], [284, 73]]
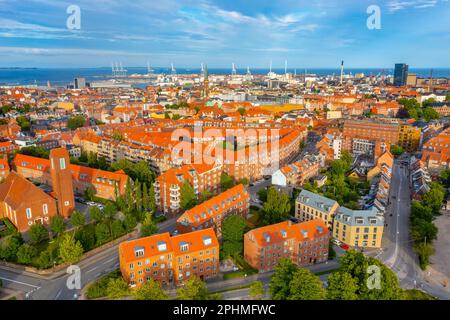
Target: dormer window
[[184, 246], [207, 240], [162, 246], [139, 251]]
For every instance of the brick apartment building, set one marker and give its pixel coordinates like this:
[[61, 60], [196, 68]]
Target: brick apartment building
[[168, 185], [360, 136], [170, 260], [210, 214], [304, 244], [105, 183]]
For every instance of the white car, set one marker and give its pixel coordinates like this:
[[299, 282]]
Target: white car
[[337, 242]]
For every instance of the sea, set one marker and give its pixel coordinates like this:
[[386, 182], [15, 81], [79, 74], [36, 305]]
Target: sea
[[65, 76]]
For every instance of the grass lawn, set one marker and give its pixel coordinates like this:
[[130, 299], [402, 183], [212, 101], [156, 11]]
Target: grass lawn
[[415, 294]]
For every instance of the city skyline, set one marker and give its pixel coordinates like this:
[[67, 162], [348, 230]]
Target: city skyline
[[219, 33]]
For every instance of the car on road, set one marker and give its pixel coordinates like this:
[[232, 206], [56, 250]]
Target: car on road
[[175, 233], [337, 242], [344, 246], [80, 200], [251, 184], [267, 177]]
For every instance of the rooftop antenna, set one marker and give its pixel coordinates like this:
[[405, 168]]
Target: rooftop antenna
[[233, 69]]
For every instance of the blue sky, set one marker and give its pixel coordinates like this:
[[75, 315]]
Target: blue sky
[[307, 33]]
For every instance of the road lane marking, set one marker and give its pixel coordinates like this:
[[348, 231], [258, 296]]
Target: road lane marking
[[19, 282], [92, 269], [58, 294], [110, 260]]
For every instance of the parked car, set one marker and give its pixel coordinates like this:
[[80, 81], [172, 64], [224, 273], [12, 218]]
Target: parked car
[[337, 242], [293, 219], [344, 246], [175, 233]]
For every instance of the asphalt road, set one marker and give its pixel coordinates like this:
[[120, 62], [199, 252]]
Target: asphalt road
[[397, 252], [55, 287]]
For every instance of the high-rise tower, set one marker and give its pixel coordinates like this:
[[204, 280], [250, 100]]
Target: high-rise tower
[[400, 74], [62, 181], [205, 81]]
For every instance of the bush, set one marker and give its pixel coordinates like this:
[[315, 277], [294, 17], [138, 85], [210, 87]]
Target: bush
[[37, 233], [26, 253], [86, 236], [98, 288], [45, 259]]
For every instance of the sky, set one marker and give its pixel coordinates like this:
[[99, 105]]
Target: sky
[[305, 33]]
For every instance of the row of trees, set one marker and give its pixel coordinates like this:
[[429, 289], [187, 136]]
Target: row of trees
[[353, 281], [193, 289], [423, 230]]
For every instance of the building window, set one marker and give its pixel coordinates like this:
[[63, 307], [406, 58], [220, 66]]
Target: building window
[[28, 211], [62, 163]]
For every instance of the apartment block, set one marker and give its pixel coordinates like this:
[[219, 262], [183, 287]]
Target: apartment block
[[106, 184], [359, 228], [309, 206], [304, 244], [168, 185], [210, 214], [4, 168], [170, 260]]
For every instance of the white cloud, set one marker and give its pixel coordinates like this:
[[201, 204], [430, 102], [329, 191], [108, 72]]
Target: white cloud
[[396, 5]]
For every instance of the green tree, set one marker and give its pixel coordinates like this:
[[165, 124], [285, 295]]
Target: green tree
[[26, 253], [57, 225], [145, 197], [10, 246], [102, 233], [241, 111], [424, 252], [447, 98], [117, 288], [77, 219], [24, 123], [129, 196], [279, 288], [76, 122], [257, 290], [148, 226], [150, 290], [117, 228], [233, 228], [129, 222], [188, 197], [430, 114], [226, 182], [86, 236], [434, 198], [37, 233], [70, 250], [194, 289], [138, 195], [341, 286], [397, 150], [428, 102], [277, 207], [306, 286], [45, 259], [89, 193], [262, 195], [95, 214]]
